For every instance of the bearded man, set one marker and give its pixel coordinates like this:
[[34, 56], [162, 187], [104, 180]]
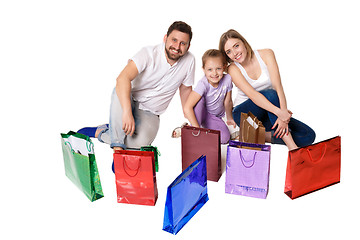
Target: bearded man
[[145, 88]]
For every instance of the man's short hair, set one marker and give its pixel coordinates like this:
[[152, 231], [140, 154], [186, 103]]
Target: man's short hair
[[180, 26]]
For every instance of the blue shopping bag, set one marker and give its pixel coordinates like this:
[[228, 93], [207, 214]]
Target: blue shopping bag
[[185, 196]]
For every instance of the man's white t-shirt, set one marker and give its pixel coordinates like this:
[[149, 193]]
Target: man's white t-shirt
[[158, 81]]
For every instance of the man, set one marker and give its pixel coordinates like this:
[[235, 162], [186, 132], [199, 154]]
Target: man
[[145, 88]]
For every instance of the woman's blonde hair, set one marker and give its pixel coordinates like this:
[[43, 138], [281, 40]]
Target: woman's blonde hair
[[233, 34], [213, 53]]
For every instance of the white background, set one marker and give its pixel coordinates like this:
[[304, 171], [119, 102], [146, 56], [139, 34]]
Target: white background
[[58, 65]]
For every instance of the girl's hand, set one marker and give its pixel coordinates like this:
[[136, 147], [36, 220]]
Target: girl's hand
[[128, 123], [282, 128], [231, 122]]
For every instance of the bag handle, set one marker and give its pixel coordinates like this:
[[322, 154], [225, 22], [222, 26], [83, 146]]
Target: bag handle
[[69, 144], [197, 134], [254, 122], [242, 132], [126, 166], [322, 156], [243, 160], [89, 146]]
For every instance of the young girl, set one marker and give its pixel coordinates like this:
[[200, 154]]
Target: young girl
[[211, 99], [257, 77]]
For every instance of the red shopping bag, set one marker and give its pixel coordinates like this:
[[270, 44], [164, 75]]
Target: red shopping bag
[[313, 167], [135, 177], [196, 142]]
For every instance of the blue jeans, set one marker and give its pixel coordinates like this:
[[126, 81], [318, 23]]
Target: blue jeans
[[146, 126], [302, 134]]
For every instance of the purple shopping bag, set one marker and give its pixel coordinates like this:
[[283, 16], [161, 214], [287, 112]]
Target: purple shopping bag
[[247, 169]]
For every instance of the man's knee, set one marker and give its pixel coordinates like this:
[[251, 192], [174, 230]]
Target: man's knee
[[144, 134]]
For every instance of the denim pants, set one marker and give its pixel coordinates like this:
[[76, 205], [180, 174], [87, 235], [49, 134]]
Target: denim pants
[[207, 120], [146, 126], [302, 134]]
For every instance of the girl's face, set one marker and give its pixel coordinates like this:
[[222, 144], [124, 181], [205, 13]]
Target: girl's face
[[214, 70], [235, 50]]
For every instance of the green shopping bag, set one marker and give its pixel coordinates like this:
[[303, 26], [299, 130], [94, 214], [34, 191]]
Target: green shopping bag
[[80, 164], [156, 154]]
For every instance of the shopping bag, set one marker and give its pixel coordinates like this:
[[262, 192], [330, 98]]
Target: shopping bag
[[135, 177], [247, 169], [251, 129], [196, 142], [313, 167], [148, 149], [185, 196], [156, 154], [80, 164]]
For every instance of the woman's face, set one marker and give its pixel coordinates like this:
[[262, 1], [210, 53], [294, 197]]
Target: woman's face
[[235, 50]]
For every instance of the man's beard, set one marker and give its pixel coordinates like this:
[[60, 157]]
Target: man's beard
[[172, 56]]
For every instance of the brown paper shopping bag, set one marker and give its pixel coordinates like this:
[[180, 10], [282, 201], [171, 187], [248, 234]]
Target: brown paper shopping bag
[[251, 129]]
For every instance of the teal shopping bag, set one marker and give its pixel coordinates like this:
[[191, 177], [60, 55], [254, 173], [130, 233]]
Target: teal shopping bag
[[80, 164]]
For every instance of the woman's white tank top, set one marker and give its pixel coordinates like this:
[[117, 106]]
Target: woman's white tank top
[[262, 83]]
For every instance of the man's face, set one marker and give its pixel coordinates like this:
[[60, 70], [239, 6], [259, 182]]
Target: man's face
[[176, 45]]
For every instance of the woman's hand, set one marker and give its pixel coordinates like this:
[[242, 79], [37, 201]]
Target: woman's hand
[[282, 128], [284, 115], [128, 123]]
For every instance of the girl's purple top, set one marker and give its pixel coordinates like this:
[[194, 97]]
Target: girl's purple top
[[214, 97]]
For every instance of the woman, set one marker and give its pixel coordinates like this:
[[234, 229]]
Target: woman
[[257, 77]]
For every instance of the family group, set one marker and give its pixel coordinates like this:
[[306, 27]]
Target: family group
[[146, 85]]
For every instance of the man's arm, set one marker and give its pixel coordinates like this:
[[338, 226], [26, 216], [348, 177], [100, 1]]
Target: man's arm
[[123, 91]]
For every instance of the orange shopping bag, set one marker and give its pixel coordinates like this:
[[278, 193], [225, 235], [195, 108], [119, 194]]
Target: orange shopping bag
[[313, 167]]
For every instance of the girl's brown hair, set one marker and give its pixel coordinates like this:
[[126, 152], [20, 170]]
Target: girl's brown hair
[[233, 34], [213, 53]]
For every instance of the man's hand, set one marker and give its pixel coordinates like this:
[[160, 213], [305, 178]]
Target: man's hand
[[128, 123]]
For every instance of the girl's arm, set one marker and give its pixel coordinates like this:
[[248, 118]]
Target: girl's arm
[[190, 103], [184, 94], [228, 104]]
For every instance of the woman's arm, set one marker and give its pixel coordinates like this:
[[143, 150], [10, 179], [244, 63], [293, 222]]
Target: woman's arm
[[269, 58], [259, 99], [191, 101]]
